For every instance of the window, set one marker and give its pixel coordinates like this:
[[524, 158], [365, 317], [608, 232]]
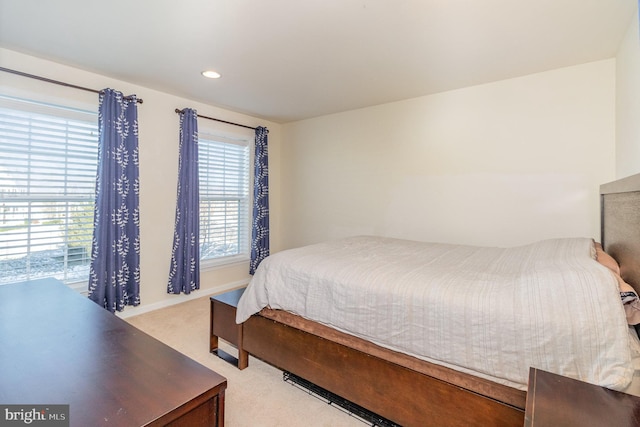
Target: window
[[224, 198], [48, 161]]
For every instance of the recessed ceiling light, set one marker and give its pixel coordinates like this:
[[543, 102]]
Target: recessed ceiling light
[[211, 74]]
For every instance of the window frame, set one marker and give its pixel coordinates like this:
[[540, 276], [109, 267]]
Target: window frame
[[209, 134], [67, 114]]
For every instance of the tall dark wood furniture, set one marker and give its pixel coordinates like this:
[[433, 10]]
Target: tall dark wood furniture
[[554, 400], [223, 325], [58, 347]]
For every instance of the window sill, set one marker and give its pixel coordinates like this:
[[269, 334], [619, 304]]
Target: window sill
[[80, 287], [213, 264]]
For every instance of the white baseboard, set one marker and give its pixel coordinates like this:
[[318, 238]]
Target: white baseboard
[[177, 299]]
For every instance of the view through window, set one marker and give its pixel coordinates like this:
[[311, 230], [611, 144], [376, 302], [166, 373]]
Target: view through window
[[224, 197], [48, 160]]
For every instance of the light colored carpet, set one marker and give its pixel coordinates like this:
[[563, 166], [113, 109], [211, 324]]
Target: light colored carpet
[[256, 396]]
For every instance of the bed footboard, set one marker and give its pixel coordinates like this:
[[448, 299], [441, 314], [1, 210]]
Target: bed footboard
[[402, 395]]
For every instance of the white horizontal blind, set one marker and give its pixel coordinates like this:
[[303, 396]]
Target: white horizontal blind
[[224, 198], [48, 161]]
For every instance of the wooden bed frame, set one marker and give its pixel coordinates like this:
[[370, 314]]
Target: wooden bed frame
[[414, 392]]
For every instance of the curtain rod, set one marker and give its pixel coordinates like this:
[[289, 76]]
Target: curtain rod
[[219, 120], [44, 79]]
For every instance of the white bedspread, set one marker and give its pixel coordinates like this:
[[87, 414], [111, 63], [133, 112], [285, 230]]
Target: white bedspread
[[491, 312]]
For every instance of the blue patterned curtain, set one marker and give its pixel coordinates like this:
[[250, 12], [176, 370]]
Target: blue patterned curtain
[[260, 227], [114, 280], [184, 275]]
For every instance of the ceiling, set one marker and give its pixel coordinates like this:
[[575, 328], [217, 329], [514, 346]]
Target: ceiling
[[286, 60]]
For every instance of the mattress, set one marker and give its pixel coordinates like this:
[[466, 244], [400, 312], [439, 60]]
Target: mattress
[[489, 312]]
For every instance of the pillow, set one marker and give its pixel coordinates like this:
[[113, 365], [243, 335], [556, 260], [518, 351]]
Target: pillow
[[628, 295], [630, 301], [607, 260]]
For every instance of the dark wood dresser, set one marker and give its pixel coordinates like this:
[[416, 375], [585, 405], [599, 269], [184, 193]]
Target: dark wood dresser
[[557, 401], [59, 348]]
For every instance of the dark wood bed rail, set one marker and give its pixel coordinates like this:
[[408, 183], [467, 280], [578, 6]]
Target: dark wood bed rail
[[399, 394]]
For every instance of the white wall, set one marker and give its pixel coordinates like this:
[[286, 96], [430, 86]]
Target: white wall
[[628, 102], [158, 139], [501, 164]]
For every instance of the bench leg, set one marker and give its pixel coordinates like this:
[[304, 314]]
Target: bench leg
[[243, 359], [213, 339]]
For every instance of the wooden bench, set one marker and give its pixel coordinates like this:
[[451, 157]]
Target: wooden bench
[[223, 325]]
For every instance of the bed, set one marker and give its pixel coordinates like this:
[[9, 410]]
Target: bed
[[550, 298]]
